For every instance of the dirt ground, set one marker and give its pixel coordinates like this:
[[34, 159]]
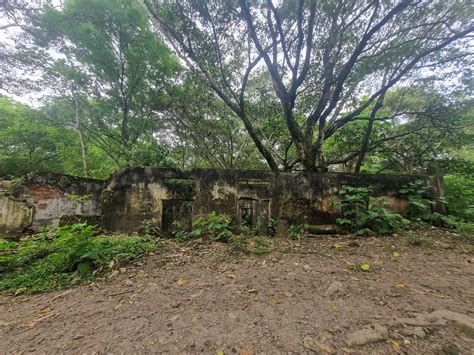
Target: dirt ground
[[305, 296]]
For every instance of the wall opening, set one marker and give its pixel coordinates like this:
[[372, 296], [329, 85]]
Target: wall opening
[[177, 215]]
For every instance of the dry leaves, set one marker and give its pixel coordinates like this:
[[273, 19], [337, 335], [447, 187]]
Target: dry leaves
[[242, 351], [182, 282]]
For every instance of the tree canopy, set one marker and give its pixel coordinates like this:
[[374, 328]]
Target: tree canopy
[[372, 86]]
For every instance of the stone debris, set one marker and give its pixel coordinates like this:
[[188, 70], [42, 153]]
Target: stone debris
[[439, 317], [368, 335], [335, 289], [419, 332]]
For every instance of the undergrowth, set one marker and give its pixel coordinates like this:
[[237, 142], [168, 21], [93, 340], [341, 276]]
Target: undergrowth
[[65, 256], [362, 214], [216, 227], [212, 226]]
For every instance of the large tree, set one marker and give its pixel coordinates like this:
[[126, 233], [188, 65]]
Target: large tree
[[113, 70], [321, 57]]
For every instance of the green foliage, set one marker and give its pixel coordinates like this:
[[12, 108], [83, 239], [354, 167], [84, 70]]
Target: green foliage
[[296, 231], [366, 267], [419, 204], [271, 230], [248, 230], [363, 214], [149, 229], [212, 226], [466, 228], [80, 198], [65, 256], [459, 194], [7, 245]]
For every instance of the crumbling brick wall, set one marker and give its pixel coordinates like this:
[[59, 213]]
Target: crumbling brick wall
[[47, 199]]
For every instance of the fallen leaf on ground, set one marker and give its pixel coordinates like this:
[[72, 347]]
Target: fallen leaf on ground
[[313, 345], [396, 255], [396, 344], [141, 274], [182, 282], [230, 275], [45, 310], [29, 324], [242, 351], [400, 285], [274, 301]]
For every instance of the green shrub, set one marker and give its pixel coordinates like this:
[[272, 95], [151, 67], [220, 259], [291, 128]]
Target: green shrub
[[272, 227], [254, 231], [466, 228], [213, 226], [421, 206], [296, 231], [363, 214], [418, 203], [70, 255], [459, 194]]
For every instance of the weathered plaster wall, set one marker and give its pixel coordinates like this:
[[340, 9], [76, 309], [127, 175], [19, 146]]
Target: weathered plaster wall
[[134, 196], [45, 198], [15, 216], [137, 195]]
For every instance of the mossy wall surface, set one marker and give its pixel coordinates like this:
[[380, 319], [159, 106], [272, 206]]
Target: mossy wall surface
[[134, 196]]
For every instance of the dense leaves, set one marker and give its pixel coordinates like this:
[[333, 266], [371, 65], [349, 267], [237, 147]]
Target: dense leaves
[[58, 258], [342, 86]]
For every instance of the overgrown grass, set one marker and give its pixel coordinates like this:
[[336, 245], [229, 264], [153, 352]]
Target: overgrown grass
[[65, 256]]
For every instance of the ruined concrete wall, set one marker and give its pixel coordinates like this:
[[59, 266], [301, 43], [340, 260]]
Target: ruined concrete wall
[[44, 198], [15, 216], [160, 196]]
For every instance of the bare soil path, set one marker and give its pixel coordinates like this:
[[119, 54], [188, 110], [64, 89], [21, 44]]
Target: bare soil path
[[306, 296]]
